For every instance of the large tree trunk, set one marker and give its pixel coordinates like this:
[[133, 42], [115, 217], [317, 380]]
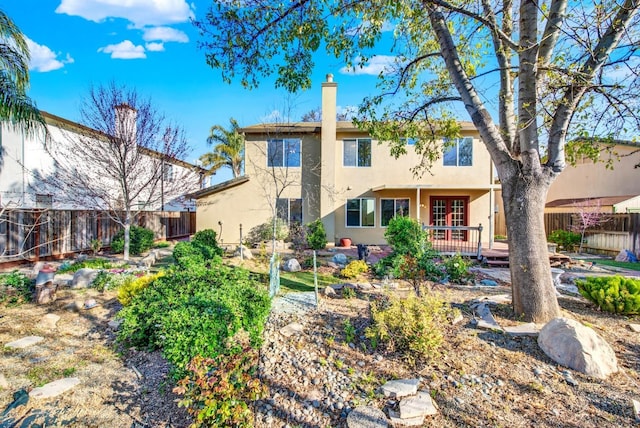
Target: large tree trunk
[[534, 295]]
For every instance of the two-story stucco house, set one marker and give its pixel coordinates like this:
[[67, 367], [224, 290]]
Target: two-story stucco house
[[28, 169], [333, 171]]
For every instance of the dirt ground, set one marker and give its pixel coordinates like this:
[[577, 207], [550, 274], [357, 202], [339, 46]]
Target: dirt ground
[[132, 389]]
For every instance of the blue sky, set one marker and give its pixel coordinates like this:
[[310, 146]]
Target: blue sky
[[150, 45]]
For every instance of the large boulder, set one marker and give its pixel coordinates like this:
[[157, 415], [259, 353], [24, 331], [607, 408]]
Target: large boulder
[[573, 345], [340, 259], [291, 265], [83, 278]]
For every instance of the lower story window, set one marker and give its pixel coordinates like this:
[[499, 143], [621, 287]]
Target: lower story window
[[391, 208], [289, 210], [361, 212]]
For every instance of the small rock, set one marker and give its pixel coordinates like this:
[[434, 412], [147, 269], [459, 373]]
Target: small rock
[[291, 265], [90, 303], [330, 292], [115, 324], [528, 329], [457, 320], [83, 278], [291, 329], [417, 406], [340, 259], [634, 327], [4, 384], [396, 420], [636, 409], [489, 283]]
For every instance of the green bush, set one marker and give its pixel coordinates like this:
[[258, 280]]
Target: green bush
[[565, 239], [207, 238], [15, 288], [130, 289], [354, 269], [140, 240], [216, 390], [190, 253], [615, 294], [264, 232], [457, 268], [412, 326], [405, 235], [316, 235], [195, 311], [89, 263]]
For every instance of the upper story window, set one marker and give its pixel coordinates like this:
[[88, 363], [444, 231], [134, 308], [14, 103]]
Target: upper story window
[[460, 153], [361, 212], [289, 210], [357, 152], [283, 152], [167, 172], [391, 208]]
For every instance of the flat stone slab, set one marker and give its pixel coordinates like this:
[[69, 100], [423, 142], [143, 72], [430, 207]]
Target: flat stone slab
[[400, 388], [636, 409], [55, 388], [486, 321], [49, 321], [291, 329], [24, 342], [634, 327], [397, 421], [528, 329], [367, 417], [419, 405]]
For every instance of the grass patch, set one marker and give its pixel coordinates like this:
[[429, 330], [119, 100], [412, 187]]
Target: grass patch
[[613, 263], [303, 281]]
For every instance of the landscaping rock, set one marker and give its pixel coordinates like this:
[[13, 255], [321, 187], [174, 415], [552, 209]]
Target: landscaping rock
[[4, 384], [634, 327], [397, 421], [400, 388], [83, 278], [636, 409], [24, 342], [246, 253], [489, 283], [55, 388], [417, 406], [330, 292], [291, 265], [367, 417], [48, 322], [528, 329], [90, 304], [340, 259], [578, 347], [291, 329]]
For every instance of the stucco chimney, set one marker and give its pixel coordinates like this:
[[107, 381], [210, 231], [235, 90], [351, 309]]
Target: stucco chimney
[[330, 155], [126, 122]]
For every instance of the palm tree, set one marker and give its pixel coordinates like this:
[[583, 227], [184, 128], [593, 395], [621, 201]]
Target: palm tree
[[228, 150], [16, 108]]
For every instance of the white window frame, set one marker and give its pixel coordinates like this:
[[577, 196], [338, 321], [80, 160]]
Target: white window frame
[[360, 226]]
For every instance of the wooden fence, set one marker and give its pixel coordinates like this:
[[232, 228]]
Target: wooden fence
[[28, 234], [618, 232]]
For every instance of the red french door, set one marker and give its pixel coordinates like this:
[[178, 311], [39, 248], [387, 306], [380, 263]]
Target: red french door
[[449, 211]]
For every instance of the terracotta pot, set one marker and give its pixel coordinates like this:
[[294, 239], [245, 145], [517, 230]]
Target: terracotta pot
[[345, 242]]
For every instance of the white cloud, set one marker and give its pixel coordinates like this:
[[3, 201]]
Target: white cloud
[[124, 50], [155, 47], [275, 116], [164, 34], [44, 59], [376, 65], [138, 12]]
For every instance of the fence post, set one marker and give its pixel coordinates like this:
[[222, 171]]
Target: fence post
[[479, 254]]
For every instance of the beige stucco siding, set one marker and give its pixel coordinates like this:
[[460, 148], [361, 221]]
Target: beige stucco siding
[[595, 180]]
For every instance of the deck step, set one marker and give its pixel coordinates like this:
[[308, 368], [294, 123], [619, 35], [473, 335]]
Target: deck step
[[503, 263]]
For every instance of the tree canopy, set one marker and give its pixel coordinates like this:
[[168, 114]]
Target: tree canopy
[[228, 149], [529, 74], [16, 108]]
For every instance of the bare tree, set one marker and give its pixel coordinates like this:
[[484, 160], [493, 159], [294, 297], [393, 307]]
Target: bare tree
[[124, 158], [527, 73], [589, 215]]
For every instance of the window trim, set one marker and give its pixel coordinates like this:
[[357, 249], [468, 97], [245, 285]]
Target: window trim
[[284, 159], [346, 216], [457, 149], [394, 208], [357, 157]]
